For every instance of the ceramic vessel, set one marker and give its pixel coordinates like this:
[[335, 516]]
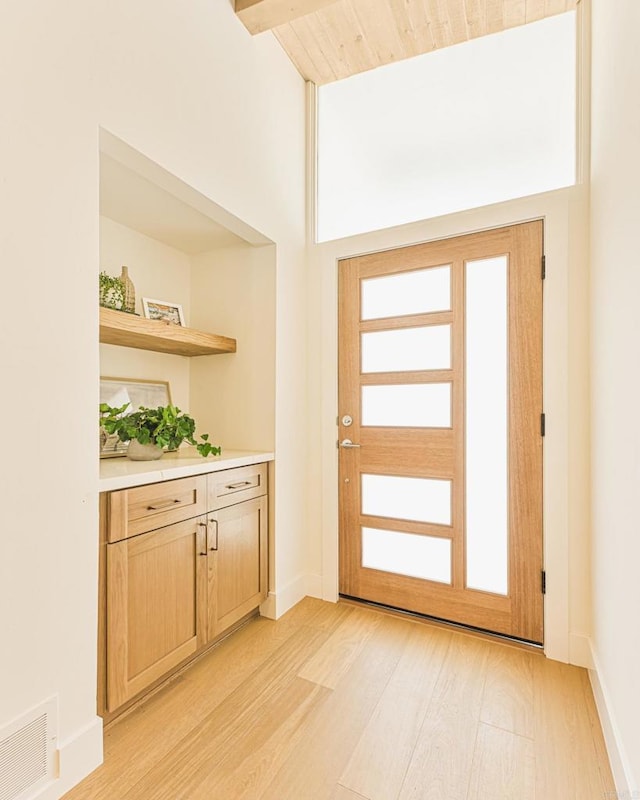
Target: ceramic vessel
[[129, 291], [143, 452]]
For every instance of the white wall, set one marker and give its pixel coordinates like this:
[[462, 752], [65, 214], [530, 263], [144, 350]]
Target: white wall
[[233, 396], [157, 271], [615, 265], [188, 87], [481, 122], [566, 482]]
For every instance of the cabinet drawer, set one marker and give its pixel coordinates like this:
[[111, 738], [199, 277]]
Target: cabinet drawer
[[145, 508], [233, 486]]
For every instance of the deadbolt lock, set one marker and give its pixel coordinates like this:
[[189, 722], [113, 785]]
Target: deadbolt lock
[[347, 420]]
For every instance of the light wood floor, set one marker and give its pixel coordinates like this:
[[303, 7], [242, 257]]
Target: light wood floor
[[345, 703]]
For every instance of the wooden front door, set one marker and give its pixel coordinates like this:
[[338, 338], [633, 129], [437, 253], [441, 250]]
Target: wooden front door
[[440, 403]]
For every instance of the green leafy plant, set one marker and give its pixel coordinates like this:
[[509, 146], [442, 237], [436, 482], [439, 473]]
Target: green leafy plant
[[112, 292], [165, 426]]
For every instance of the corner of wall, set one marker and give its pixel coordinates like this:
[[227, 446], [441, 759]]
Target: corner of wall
[[580, 650], [279, 602], [626, 785]]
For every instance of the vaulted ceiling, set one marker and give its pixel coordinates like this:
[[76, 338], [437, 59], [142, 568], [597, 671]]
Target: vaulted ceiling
[[328, 40]]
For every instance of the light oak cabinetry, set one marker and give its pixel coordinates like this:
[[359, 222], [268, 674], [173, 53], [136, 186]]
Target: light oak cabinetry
[[153, 608], [185, 560], [145, 508], [236, 485], [237, 580]]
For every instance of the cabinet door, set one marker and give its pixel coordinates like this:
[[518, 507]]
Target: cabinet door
[[156, 605], [237, 543]]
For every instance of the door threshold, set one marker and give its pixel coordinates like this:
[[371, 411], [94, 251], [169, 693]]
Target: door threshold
[[437, 622]]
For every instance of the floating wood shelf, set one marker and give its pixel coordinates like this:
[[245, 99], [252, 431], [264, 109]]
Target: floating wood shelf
[[128, 330]]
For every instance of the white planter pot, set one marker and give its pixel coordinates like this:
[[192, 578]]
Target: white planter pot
[[143, 452]]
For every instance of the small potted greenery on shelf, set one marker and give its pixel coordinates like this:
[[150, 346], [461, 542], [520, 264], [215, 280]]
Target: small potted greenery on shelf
[[150, 430], [112, 292]]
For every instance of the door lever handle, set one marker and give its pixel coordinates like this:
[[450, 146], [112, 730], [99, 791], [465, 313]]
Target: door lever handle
[[347, 443]]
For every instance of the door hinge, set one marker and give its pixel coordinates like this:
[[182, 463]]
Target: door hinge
[[544, 267], [543, 424], [543, 581]]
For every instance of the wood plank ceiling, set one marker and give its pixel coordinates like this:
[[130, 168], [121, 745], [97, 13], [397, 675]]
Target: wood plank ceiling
[[328, 40]]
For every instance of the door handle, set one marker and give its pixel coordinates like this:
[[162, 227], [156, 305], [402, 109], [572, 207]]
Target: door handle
[[347, 443]]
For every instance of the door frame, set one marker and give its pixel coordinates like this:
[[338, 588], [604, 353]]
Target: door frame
[[566, 468]]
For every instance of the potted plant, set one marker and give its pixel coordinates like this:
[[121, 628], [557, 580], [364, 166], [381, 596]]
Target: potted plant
[[150, 430], [112, 292]]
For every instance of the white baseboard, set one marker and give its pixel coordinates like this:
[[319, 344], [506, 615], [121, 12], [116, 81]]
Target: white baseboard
[[580, 651], [286, 597], [330, 588], [78, 756], [314, 586], [626, 786]]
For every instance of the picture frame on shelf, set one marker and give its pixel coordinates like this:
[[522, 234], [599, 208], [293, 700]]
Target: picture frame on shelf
[[135, 391], [164, 311]]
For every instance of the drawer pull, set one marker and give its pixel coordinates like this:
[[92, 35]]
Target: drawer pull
[[237, 485], [160, 506]]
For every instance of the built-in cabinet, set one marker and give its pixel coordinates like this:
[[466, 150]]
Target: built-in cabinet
[[153, 610], [182, 561], [185, 561], [237, 563]]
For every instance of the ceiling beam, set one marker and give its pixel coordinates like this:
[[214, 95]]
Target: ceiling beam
[[263, 15]]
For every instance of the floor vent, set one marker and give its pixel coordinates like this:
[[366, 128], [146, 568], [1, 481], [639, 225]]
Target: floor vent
[[27, 750]]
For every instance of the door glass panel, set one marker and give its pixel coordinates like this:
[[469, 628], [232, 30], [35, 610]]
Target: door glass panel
[[417, 292], [407, 349], [486, 424], [407, 554], [417, 499], [412, 405]]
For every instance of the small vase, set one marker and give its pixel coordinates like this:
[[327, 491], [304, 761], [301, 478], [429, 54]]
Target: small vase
[[143, 452], [129, 291]]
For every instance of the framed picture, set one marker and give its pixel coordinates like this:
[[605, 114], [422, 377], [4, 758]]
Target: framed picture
[[118, 391], [164, 311]]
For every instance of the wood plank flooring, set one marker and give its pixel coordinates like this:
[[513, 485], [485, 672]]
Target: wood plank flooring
[[337, 702]]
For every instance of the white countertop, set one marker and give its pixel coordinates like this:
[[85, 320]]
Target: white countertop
[[122, 473]]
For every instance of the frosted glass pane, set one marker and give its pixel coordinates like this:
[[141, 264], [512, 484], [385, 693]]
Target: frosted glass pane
[[486, 424], [417, 292], [407, 554], [461, 127], [406, 349], [417, 499], [410, 405]]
